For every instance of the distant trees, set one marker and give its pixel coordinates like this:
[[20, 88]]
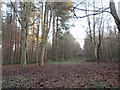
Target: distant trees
[[68, 47], [109, 42], [109, 46], [9, 32], [61, 15]]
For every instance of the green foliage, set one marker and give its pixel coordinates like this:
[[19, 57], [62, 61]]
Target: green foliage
[[117, 85], [97, 85], [105, 85]]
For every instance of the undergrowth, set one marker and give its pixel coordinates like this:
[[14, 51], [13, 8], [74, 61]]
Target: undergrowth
[[68, 61]]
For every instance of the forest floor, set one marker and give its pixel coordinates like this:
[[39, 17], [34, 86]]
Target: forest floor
[[85, 74]]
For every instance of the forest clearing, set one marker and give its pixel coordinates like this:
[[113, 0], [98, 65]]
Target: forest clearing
[[54, 44], [85, 74]]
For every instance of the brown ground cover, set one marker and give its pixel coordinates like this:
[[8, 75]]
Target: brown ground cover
[[85, 74]]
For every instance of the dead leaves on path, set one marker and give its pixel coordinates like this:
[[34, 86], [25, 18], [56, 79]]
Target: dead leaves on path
[[83, 75]]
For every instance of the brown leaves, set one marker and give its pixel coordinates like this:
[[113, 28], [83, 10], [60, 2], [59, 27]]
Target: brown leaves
[[51, 76]]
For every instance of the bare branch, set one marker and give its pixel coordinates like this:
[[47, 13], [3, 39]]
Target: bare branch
[[99, 12], [78, 4], [14, 8], [94, 10]]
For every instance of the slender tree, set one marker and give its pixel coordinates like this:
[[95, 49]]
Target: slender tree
[[45, 30]]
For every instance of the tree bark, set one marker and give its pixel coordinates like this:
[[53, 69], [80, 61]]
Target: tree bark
[[24, 34], [114, 14], [56, 41], [117, 21], [37, 47], [43, 38], [45, 32], [53, 39]]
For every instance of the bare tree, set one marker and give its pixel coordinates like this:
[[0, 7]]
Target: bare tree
[[94, 26]]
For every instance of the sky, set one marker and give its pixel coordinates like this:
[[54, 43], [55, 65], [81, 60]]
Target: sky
[[79, 31]]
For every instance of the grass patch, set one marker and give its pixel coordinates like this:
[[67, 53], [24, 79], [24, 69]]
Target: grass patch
[[68, 61], [97, 85], [105, 85]]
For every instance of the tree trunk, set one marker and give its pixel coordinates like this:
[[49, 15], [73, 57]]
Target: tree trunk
[[56, 41], [114, 14], [119, 45], [45, 57], [53, 39], [45, 32], [1, 55], [10, 38], [43, 37], [37, 47], [24, 34], [42, 55], [23, 48]]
